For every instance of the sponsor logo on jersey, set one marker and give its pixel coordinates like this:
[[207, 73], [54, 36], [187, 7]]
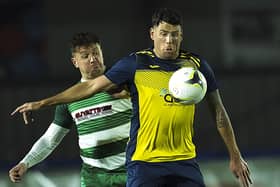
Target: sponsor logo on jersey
[[92, 112], [168, 98]]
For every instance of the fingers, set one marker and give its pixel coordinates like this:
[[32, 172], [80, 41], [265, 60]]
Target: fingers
[[21, 109], [244, 176], [16, 110], [17, 172], [248, 174], [27, 117], [14, 175], [26, 113], [243, 179], [15, 178]]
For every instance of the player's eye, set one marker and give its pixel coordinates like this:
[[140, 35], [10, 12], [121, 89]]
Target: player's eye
[[95, 54], [163, 34], [174, 34], [84, 56]]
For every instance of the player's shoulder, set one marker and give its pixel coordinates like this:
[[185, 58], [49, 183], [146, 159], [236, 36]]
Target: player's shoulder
[[132, 57], [145, 52], [196, 58], [129, 58]]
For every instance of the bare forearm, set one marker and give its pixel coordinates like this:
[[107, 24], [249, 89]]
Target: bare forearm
[[226, 131], [222, 120], [237, 165], [74, 93]]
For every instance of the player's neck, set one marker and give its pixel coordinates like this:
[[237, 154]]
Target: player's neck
[[86, 79]]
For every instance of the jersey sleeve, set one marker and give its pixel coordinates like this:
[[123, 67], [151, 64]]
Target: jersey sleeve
[[123, 71], [63, 117], [209, 75], [45, 145]]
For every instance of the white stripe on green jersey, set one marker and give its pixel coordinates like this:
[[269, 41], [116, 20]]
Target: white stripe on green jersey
[[103, 124], [104, 136], [110, 162]]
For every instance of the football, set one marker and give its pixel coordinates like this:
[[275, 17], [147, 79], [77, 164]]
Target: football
[[187, 85]]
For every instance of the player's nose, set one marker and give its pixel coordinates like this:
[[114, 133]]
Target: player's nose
[[92, 59]]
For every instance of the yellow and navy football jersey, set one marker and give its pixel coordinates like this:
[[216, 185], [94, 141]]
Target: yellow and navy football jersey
[[161, 128]]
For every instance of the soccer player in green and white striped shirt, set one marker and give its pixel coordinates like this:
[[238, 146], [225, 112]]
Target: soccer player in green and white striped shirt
[[102, 124]]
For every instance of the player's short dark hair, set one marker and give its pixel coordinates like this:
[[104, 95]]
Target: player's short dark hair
[[167, 15], [83, 39]]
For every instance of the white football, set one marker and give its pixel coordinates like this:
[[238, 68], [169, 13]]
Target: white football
[[188, 85]]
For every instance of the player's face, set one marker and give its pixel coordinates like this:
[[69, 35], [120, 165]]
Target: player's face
[[167, 39], [89, 60]]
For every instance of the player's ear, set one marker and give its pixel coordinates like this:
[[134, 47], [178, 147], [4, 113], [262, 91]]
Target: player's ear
[[152, 31], [73, 60], [181, 35]]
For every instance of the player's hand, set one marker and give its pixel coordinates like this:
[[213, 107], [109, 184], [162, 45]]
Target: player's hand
[[241, 171], [17, 172], [26, 109], [121, 95], [27, 117]]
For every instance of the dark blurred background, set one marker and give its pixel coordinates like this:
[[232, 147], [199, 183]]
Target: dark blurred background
[[240, 40]]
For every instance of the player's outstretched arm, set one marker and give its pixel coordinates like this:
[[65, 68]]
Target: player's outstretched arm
[[74, 93], [237, 165]]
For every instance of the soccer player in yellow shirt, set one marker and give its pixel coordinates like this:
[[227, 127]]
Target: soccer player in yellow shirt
[[160, 151]]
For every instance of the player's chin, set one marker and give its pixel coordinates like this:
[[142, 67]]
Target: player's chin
[[170, 55], [96, 72], [16, 180]]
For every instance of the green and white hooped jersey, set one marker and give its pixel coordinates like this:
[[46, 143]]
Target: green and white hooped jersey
[[103, 125]]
